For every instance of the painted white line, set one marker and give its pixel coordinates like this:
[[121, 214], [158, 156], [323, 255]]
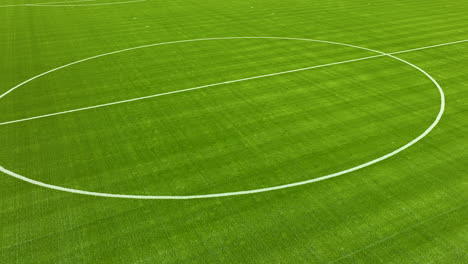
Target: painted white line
[[10, 5], [336, 174], [100, 4], [193, 88], [429, 47], [63, 2], [183, 90]]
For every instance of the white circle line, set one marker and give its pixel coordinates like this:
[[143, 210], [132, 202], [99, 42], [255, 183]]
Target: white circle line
[[278, 187]]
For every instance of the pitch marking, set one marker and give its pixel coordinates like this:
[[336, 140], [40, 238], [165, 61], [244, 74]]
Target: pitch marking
[[77, 1], [100, 4], [65, 3], [193, 88], [179, 197]]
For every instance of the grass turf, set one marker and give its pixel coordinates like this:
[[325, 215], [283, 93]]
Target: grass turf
[[246, 135]]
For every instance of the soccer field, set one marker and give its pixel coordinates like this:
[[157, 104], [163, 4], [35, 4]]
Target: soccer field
[[209, 131]]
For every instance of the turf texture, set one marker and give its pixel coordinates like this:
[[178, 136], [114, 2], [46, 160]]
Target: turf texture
[[410, 208]]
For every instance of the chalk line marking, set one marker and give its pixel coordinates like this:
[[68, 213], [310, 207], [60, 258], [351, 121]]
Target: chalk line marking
[[65, 3], [429, 47], [180, 197], [99, 4], [193, 88], [180, 91]]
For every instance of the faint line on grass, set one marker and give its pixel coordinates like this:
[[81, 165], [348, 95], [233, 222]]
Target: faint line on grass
[[63, 2], [396, 234], [99, 4], [428, 47]]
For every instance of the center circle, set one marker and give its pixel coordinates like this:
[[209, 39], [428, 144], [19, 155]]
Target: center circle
[[212, 195]]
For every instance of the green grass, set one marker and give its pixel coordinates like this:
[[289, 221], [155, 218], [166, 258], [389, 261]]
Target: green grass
[[410, 208]]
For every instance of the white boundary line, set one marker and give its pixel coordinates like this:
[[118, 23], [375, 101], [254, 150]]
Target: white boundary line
[[101, 4], [429, 47], [188, 89], [181, 91], [57, 4], [63, 2], [128, 196]]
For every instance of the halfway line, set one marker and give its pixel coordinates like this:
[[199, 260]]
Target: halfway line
[[222, 83], [63, 2]]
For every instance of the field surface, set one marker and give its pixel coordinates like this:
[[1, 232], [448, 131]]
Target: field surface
[[210, 131]]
